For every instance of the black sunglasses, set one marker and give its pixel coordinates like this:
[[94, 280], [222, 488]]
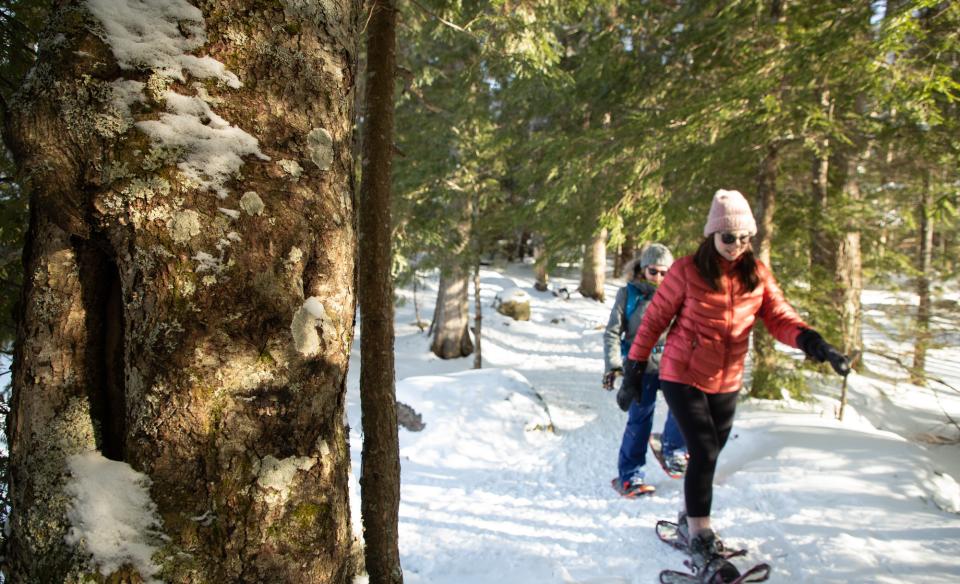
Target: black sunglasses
[[731, 238], [654, 272]]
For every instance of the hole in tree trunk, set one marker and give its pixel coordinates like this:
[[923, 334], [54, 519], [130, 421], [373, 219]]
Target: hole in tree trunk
[[103, 304]]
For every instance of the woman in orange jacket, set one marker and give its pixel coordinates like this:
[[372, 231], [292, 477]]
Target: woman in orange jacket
[[714, 297]]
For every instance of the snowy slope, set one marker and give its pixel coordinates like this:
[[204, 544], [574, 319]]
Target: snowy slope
[[491, 495]]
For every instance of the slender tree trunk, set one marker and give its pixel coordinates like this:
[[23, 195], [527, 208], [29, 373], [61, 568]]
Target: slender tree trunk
[[627, 251], [822, 244], [540, 261], [618, 261], [475, 248], [416, 302], [925, 265], [592, 275], [764, 352], [478, 317], [201, 339], [848, 271], [380, 478]]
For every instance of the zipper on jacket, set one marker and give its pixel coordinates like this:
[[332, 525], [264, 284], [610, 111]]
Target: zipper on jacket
[[726, 341]]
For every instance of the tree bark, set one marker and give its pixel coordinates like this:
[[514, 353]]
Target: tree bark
[[380, 478], [925, 265], [478, 317], [204, 345], [451, 337], [848, 269], [627, 252], [764, 351], [540, 261], [451, 324], [592, 274], [822, 244]]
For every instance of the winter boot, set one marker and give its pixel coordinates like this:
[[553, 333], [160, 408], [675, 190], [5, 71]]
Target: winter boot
[[632, 488], [706, 555], [675, 463]]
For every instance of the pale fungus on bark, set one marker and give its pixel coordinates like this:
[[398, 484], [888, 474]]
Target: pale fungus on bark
[[251, 203], [184, 225], [291, 167], [320, 146]]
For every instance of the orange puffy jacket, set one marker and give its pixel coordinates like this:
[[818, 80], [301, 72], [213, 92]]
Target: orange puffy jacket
[[710, 337]]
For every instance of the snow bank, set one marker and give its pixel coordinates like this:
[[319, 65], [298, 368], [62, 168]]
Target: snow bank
[[484, 498], [111, 514], [475, 420]]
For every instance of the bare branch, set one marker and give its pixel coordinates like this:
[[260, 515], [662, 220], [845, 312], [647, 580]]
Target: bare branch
[[443, 20]]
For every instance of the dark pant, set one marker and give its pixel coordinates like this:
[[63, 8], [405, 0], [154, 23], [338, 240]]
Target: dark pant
[[633, 447], [705, 419]]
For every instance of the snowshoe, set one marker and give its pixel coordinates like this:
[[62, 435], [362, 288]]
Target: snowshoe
[[709, 560], [671, 534], [632, 489], [674, 467], [758, 573]]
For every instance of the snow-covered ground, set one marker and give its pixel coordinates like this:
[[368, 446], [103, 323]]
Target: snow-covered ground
[[509, 482]]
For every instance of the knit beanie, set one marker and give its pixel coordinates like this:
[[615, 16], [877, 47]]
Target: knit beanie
[[656, 254], [729, 212]]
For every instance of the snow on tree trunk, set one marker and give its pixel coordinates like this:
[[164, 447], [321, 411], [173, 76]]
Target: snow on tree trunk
[[189, 302], [594, 266], [451, 337]]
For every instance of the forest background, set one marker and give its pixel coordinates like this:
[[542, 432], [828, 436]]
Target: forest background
[[572, 130]]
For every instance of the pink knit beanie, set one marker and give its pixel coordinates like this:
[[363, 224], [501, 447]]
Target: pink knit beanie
[[729, 211]]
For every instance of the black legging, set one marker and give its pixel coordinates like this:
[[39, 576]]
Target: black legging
[[705, 419]]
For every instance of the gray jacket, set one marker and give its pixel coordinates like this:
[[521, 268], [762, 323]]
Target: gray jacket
[[617, 329]]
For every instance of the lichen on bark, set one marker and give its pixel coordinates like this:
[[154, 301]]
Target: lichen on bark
[[211, 381]]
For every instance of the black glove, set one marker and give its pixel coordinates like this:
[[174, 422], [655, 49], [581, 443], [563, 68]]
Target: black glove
[[811, 343], [610, 376], [632, 378]]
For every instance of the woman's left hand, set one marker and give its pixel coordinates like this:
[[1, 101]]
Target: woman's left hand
[[837, 360]]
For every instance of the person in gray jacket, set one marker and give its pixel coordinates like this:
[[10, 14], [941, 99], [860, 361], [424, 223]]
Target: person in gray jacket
[[632, 300]]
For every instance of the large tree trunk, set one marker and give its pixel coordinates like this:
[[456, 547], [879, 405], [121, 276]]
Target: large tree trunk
[[451, 335], [925, 266], [451, 324], [593, 272], [380, 481], [187, 319]]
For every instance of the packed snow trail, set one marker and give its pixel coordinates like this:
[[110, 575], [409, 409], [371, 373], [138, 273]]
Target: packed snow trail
[[491, 495]]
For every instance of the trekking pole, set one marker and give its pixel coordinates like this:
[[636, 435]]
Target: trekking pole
[[843, 387]]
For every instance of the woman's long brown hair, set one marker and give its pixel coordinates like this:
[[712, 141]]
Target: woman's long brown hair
[[707, 260]]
